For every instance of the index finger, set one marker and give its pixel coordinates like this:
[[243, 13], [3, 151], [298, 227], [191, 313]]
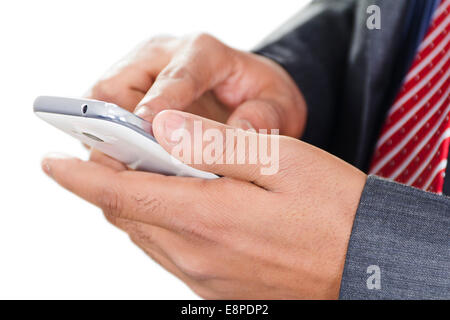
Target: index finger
[[127, 81], [202, 63], [163, 201]]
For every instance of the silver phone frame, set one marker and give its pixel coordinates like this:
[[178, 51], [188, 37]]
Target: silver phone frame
[[96, 109]]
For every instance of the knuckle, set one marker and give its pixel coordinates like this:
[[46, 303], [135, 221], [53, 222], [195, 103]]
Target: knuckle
[[204, 227], [186, 80], [202, 39], [211, 229], [158, 40], [143, 235], [111, 219], [195, 268], [158, 45], [148, 203], [197, 229], [183, 73], [110, 202], [126, 225]]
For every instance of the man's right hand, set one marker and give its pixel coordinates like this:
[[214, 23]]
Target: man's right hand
[[201, 75]]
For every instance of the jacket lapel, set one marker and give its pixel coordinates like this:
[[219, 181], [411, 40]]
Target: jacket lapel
[[368, 83]]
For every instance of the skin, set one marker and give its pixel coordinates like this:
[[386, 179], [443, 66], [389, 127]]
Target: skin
[[201, 75], [244, 235]]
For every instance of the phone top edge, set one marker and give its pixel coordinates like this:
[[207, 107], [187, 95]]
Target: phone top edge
[[95, 109], [63, 105]]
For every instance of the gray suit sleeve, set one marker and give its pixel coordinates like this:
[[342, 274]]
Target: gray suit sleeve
[[313, 48], [400, 245]]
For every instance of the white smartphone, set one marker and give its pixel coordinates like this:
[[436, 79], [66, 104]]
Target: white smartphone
[[115, 132]]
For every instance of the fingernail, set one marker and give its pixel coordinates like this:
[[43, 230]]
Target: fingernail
[[145, 112], [244, 124], [46, 167], [172, 123], [47, 159]]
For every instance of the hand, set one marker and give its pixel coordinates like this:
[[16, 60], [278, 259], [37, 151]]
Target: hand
[[201, 75], [245, 235]]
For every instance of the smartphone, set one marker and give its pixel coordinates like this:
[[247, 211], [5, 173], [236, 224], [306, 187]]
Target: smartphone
[[114, 131]]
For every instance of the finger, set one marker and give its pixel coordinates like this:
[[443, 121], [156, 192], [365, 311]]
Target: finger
[[144, 235], [229, 151], [103, 159], [124, 85], [87, 179], [185, 259], [164, 261], [169, 202], [122, 224], [208, 106], [275, 104], [264, 102], [127, 82], [159, 257], [147, 237], [256, 114], [203, 63], [156, 243], [125, 88]]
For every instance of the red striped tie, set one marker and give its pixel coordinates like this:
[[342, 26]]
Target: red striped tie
[[414, 143]]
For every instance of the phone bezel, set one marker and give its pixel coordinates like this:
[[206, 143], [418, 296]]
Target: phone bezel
[[95, 109]]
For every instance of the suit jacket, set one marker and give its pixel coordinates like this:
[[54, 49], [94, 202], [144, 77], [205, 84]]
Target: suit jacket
[[350, 76]]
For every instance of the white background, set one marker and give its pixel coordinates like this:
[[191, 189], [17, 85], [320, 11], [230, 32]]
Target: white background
[[52, 244]]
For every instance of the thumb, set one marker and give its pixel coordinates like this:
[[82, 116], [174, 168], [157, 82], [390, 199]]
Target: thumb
[[214, 147]]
